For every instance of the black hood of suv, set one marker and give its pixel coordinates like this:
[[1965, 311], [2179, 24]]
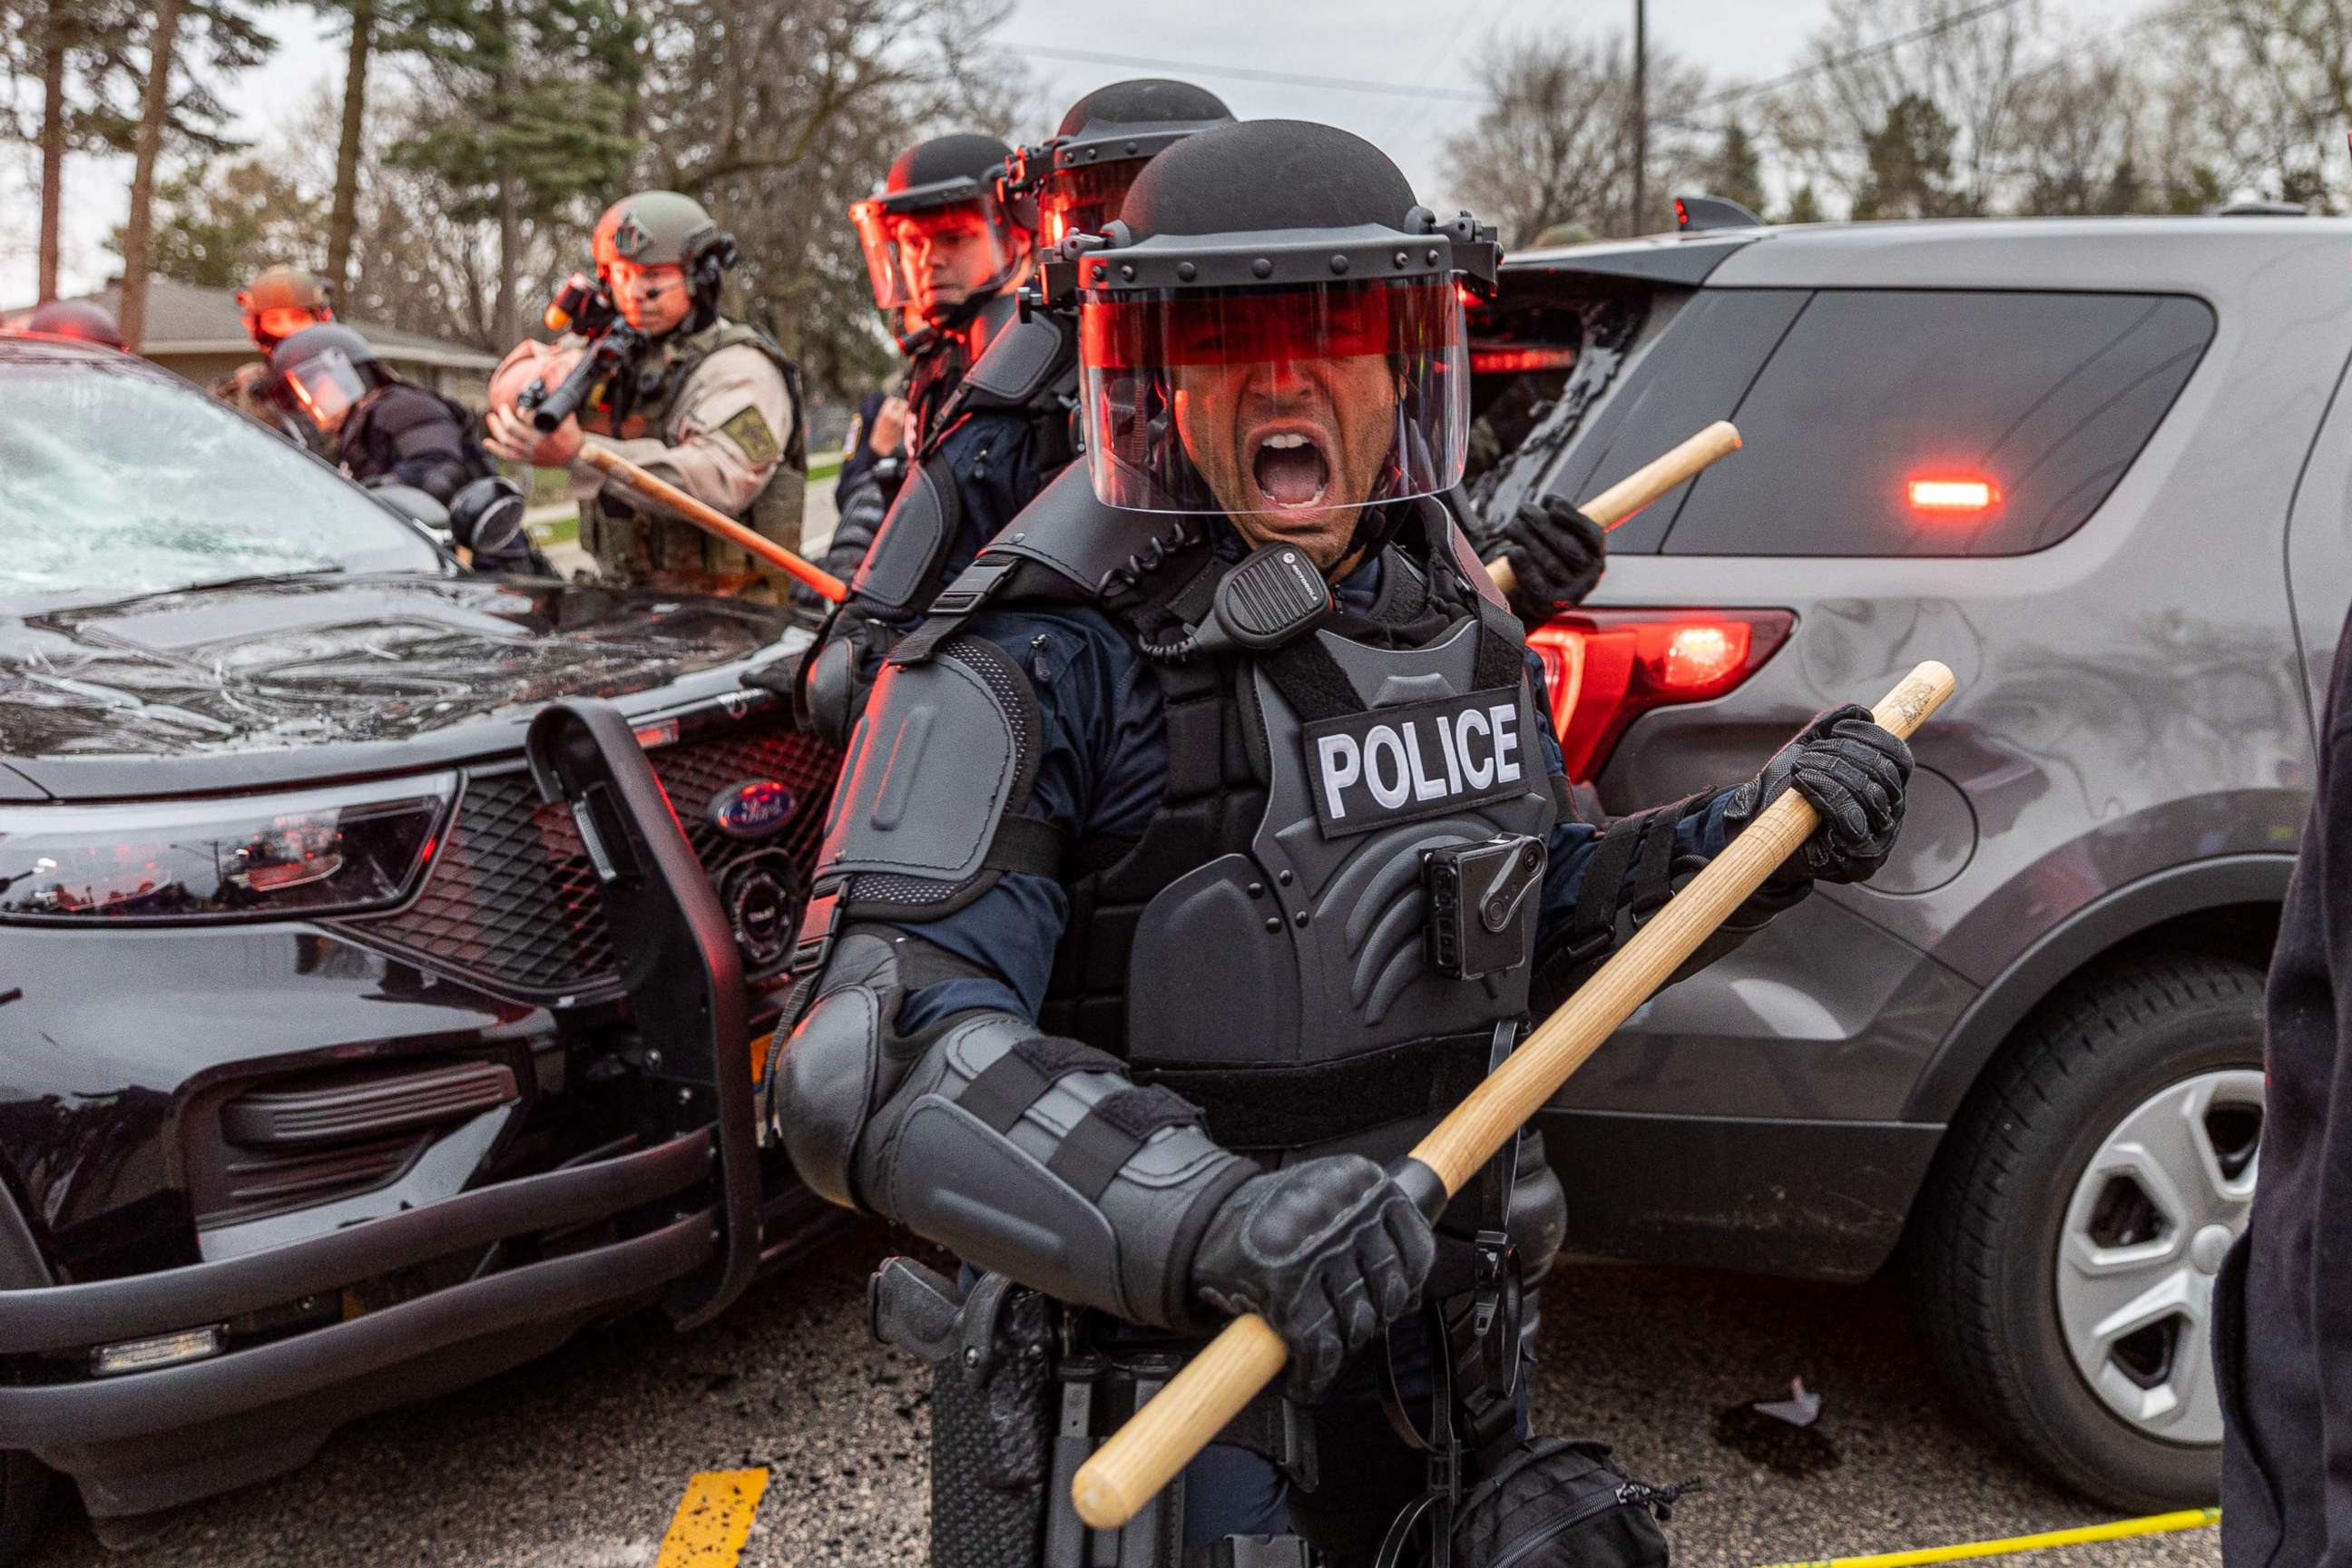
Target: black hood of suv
[[269, 681]]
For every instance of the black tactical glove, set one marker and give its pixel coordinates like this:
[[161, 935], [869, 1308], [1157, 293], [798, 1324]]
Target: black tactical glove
[[1327, 1251], [1556, 552], [1854, 774]]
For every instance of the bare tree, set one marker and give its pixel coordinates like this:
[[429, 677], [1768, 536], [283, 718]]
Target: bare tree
[[343, 217], [163, 39], [2277, 128], [1553, 145]]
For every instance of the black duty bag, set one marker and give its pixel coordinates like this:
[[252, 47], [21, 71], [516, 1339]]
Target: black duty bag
[[1560, 1503]]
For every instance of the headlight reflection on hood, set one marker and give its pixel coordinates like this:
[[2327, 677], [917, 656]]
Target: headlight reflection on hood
[[331, 851]]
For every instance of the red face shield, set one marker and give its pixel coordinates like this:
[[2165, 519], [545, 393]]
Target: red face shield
[[1268, 405], [933, 259], [1080, 201], [275, 324]]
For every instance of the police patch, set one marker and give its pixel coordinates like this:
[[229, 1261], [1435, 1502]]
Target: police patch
[[1416, 760], [748, 430]]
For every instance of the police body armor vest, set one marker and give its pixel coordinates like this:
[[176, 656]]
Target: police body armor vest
[[1261, 949], [774, 513]]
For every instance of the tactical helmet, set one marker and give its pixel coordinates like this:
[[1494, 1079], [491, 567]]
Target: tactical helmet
[[1273, 306], [1078, 177], [665, 228], [280, 301], [327, 369], [936, 189], [83, 319]]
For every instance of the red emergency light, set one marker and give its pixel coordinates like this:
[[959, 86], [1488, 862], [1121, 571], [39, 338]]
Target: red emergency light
[[1517, 361], [1952, 495]]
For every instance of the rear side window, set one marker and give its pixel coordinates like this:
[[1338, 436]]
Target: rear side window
[[1917, 423]]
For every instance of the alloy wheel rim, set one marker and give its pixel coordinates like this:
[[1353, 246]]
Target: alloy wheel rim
[[2154, 1212]]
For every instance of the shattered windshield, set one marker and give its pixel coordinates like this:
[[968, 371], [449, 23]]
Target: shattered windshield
[[116, 482]]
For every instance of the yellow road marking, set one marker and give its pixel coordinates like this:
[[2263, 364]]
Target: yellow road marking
[[713, 1519], [2121, 1530]]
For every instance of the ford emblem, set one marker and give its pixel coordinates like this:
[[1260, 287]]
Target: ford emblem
[[751, 810]]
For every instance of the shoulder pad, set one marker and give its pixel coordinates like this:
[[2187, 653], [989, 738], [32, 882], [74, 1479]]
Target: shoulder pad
[[1026, 363], [914, 535], [946, 749], [1102, 550]]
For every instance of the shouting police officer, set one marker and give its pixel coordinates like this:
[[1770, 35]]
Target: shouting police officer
[[1132, 954], [946, 258], [386, 431], [1006, 427], [711, 405]]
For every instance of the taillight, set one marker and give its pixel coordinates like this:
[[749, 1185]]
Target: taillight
[[1607, 667]]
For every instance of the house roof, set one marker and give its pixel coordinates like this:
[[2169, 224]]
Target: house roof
[[183, 319]]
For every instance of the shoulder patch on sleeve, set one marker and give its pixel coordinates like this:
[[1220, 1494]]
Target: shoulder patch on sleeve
[[750, 431]]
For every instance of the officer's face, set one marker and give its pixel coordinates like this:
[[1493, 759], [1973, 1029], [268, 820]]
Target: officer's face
[[1291, 448], [948, 257], [654, 300]]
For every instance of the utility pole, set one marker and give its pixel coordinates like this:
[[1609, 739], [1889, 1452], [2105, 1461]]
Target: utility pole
[[1641, 111]]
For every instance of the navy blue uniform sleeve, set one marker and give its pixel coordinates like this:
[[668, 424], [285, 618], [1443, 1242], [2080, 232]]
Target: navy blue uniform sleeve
[[1103, 754]]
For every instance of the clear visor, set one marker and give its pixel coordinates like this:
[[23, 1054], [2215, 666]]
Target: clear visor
[[1082, 200], [932, 260], [1264, 406], [325, 386]]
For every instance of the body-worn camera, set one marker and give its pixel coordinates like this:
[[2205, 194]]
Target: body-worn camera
[[1475, 892]]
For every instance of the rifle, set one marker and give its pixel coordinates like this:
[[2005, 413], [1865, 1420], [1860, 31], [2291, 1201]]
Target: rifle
[[585, 306]]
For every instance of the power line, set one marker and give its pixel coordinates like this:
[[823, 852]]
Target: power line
[[1868, 51], [1287, 78]]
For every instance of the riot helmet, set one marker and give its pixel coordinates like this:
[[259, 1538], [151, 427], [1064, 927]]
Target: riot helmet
[[85, 319], [326, 370], [936, 235], [281, 301], [1272, 329], [1078, 177], [654, 229]]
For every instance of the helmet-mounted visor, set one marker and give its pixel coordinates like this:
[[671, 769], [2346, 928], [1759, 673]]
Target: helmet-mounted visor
[[273, 324], [1082, 199], [931, 256], [1310, 397], [325, 386]]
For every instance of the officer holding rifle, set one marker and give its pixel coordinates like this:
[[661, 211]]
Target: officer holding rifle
[[657, 376], [1200, 847]]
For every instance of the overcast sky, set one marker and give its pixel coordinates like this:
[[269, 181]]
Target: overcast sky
[[1399, 72]]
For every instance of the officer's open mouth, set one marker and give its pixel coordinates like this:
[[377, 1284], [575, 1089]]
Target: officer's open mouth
[[1290, 468]]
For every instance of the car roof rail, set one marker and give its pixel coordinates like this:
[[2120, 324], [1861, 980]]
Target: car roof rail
[[1693, 213], [2260, 209]]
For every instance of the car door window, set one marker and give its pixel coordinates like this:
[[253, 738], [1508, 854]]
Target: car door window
[[1893, 422]]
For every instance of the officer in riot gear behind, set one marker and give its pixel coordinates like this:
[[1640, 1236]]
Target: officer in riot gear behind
[[1006, 427], [713, 407], [279, 302], [946, 259], [1129, 963], [387, 431]]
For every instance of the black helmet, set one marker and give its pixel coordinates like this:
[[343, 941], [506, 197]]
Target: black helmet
[[326, 369], [939, 200], [1272, 329], [83, 319], [1077, 179]]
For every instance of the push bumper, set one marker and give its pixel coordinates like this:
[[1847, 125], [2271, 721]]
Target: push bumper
[[68, 1320]]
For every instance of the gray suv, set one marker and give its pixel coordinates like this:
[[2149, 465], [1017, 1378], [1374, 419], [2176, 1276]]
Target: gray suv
[[2099, 467]]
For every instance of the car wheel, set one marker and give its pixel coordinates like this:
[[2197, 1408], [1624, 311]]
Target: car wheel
[[24, 1502], [2063, 1253]]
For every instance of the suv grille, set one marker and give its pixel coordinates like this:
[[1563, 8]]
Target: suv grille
[[511, 900]]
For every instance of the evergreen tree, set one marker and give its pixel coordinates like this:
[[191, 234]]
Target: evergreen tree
[[1736, 173], [1910, 162]]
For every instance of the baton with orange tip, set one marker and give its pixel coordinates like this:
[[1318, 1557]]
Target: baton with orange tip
[[710, 520], [1645, 485], [1200, 1401]]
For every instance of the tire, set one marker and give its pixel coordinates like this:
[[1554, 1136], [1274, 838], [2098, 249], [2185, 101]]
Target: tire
[[24, 1502], [2069, 1303]]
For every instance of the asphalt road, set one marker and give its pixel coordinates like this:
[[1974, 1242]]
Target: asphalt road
[[580, 1460]]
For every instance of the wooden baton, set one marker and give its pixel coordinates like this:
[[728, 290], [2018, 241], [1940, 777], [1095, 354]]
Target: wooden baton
[[712, 520], [1200, 1401], [1645, 485]]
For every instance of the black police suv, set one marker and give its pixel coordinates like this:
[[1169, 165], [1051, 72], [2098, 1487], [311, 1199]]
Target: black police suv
[[2101, 468], [354, 1046]]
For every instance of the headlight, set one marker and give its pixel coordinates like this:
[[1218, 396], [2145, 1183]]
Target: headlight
[[332, 851]]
